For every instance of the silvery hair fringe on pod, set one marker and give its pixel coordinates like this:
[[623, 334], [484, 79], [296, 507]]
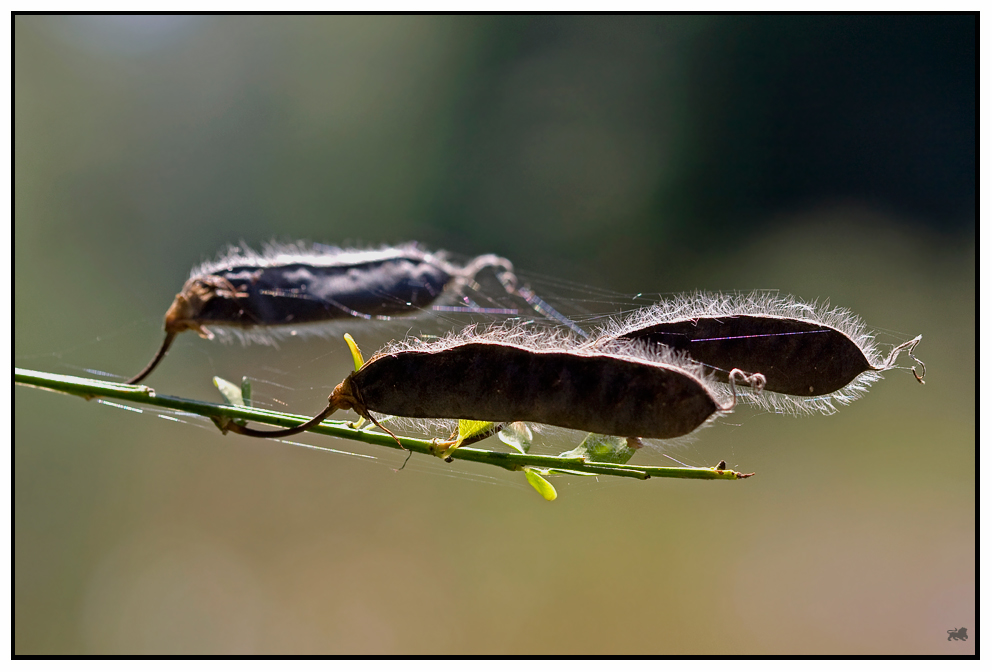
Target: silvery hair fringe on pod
[[312, 254], [559, 340], [551, 435], [852, 333]]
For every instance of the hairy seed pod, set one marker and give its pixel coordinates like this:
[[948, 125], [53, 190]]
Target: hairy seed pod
[[482, 378], [296, 285], [803, 350]]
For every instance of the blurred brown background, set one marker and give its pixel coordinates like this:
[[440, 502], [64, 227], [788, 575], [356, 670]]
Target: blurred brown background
[[825, 157]]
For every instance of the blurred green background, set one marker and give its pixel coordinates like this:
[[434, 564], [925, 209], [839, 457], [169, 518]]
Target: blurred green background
[[826, 157]]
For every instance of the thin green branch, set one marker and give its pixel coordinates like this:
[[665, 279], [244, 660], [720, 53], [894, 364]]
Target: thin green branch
[[513, 461]]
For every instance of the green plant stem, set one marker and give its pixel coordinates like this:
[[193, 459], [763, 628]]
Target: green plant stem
[[513, 461]]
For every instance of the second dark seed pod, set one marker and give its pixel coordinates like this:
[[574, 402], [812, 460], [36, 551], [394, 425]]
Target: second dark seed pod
[[803, 350]]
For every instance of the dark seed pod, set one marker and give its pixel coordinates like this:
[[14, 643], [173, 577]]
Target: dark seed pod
[[250, 294], [803, 350], [491, 378], [245, 296]]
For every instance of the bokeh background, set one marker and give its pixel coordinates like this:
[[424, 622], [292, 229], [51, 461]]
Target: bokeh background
[[827, 157]]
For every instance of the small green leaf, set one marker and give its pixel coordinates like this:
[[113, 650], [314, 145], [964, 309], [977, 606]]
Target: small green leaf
[[469, 428], [602, 448], [543, 487], [466, 430], [230, 391], [233, 394], [356, 354], [246, 390], [517, 435]]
